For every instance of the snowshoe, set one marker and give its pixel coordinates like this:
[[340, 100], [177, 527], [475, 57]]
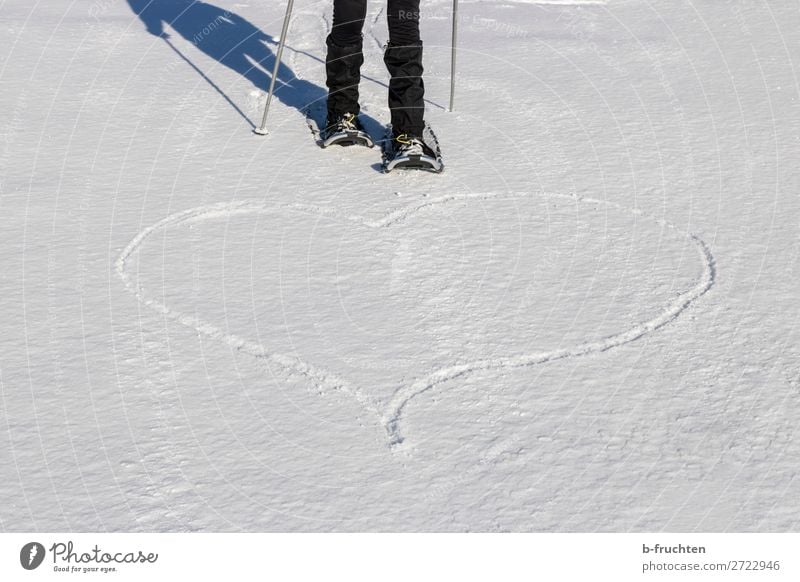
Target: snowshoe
[[412, 153], [344, 130]]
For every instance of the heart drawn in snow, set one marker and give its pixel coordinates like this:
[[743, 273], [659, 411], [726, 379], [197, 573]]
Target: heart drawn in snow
[[492, 342]]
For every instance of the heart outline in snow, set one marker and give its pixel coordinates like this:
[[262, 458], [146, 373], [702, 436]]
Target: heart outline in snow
[[392, 413]]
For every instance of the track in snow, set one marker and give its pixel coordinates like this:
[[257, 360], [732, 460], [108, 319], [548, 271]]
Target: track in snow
[[390, 416]]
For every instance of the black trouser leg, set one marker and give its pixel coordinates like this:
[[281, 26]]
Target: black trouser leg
[[344, 59], [403, 58]]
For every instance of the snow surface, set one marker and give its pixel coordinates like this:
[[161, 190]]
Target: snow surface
[[587, 323]]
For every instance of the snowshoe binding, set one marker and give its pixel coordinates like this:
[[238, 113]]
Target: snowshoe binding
[[403, 151], [345, 130]]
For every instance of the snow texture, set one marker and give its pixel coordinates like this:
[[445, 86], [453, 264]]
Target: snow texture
[[587, 323]]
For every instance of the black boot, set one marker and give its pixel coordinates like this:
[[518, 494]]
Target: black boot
[[343, 68], [406, 89], [344, 130], [408, 152]]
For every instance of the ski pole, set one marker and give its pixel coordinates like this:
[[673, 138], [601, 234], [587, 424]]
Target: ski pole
[[453, 55], [262, 130]]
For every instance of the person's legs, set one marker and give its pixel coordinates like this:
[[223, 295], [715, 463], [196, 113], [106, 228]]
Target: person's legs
[[344, 58], [403, 58], [403, 19]]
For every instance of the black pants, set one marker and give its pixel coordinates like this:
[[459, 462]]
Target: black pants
[[403, 58]]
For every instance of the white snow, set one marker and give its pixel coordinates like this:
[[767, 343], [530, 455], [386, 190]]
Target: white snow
[[587, 323]]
